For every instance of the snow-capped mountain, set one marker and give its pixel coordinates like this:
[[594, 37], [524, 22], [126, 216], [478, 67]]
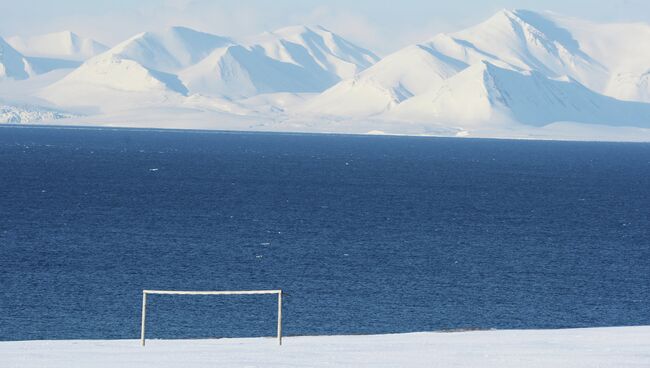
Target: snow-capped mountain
[[519, 70], [144, 64], [596, 55], [316, 49], [183, 61], [64, 45], [169, 50], [237, 71], [109, 82], [485, 94], [292, 59], [395, 78], [593, 54], [467, 78]]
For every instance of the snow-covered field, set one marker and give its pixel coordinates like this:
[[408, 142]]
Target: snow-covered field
[[596, 347]]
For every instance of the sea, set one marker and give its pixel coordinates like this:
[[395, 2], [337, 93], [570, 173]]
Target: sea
[[364, 234]]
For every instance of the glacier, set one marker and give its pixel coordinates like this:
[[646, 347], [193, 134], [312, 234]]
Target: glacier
[[12, 113]]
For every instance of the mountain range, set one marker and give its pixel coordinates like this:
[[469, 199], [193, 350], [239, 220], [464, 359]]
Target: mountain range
[[518, 74]]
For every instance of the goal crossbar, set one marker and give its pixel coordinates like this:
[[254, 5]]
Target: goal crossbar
[[183, 292]]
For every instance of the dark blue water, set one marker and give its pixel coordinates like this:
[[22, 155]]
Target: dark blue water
[[364, 234]]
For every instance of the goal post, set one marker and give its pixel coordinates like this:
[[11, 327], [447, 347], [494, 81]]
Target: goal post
[[242, 292]]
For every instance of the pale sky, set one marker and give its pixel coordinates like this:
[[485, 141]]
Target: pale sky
[[382, 26]]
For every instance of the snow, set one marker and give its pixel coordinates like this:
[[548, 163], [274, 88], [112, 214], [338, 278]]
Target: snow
[[111, 75], [485, 93], [316, 49], [64, 45], [29, 114], [620, 48], [240, 72], [598, 347], [185, 61], [542, 68], [41, 65], [12, 63], [26, 90], [54, 51], [293, 59], [144, 63], [394, 79], [519, 74], [169, 50]]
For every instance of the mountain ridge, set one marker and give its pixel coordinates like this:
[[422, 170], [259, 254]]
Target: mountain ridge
[[518, 69], [520, 41], [292, 59]]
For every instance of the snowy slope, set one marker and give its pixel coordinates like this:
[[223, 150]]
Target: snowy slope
[[519, 40], [522, 40], [580, 348], [237, 71], [446, 80], [169, 50], [64, 45], [110, 82], [316, 49], [121, 74], [591, 53], [183, 61], [395, 78], [41, 65], [611, 59], [292, 59], [623, 49], [12, 63], [139, 70], [486, 94]]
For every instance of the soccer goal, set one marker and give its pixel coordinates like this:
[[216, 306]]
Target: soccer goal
[[172, 292]]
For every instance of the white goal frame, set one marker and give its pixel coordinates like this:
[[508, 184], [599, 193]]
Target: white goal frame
[[173, 292]]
